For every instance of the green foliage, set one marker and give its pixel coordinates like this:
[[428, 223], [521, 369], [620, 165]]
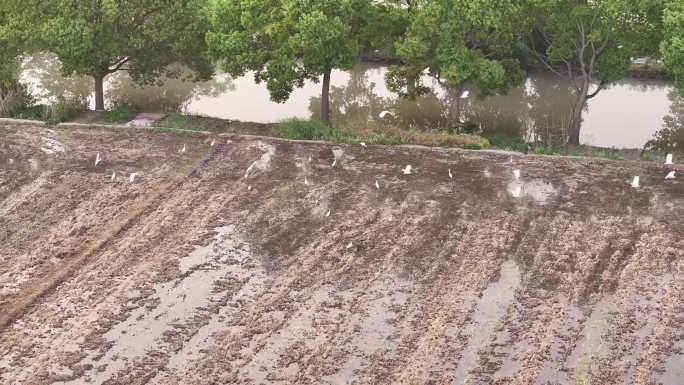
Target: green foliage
[[119, 113], [61, 111], [287, 42], [304, 129], [459, 42], [144, 37], [672, 46]]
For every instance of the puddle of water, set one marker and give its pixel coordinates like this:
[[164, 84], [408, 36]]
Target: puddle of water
[[178, 302], [373, 328], [489, 311], [536, 190], [592, 343]]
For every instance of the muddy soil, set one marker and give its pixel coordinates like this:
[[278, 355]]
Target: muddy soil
[[256, 261]]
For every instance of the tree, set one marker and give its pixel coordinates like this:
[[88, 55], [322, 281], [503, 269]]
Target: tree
[[673, 45], [11, 46], [143, 37], [591, 43], [287, 42], [458, 42]]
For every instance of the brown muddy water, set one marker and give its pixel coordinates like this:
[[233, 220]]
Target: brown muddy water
[[624, 116], [220, 265]]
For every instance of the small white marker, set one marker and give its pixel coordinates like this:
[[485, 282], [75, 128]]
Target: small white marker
[[450, 175], [97, 159], [668, 159], [635, 182], [334, 162], [407, 170], [182, 151], [350, 245], [670, 175], [516, 173], [327, 214], [213, 143], [363, 144], [113, 176], [377, 185], [132, 178]]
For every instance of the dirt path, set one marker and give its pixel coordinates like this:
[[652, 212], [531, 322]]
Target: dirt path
[[257, 261]]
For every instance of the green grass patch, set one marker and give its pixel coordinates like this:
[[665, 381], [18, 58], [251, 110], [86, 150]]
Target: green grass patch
[[119, 114]]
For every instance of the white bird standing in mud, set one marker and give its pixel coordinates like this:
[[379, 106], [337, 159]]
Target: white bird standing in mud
[[327, 214], [350, 245], [113, 176], [310, 159], [516, 174], [670, 175], [517, 191], [213, 143], [384, 114], [97, 159], [377, 185], [182, 151], [668, 159], [334, 163], [465, 94], [306, 181], [451, 176], [363, 144], [249, 188], [407, 170], [132, 178], [635, 182]]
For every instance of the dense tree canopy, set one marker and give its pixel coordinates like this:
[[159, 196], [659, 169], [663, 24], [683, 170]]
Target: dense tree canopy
[[591, 43], [287, 42], [143, 37], [673, 45], [459, 42]]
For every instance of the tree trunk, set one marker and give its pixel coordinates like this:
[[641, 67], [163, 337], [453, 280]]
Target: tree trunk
[[576, 118], [325, 99], [99, 92]]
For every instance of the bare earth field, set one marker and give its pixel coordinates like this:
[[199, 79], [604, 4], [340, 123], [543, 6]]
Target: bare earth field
[[254, 261]]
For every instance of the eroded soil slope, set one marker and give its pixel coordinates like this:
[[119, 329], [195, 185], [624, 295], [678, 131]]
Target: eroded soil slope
[[257, 261]]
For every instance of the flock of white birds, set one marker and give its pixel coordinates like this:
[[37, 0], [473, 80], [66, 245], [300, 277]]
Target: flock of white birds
[[407, 170]]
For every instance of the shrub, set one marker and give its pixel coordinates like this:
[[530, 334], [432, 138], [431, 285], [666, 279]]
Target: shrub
[[304, 129], [62, 110], [119, 113]]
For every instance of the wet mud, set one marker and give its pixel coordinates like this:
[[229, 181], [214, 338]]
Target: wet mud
[[264, 261]]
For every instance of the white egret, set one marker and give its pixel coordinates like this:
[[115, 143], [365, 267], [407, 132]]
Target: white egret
[[334, 163], [350, 245], [383, 114], [465, 94], [213, 143], [249, 188], [407, 170], [97, 159], [377, 185], [670, 175], [450, 175], [327, 214], [182, 151], [132, 178], [310, 159], [306, 181], [113, 176], [668, 159], [517, 191], [363, 144], [516, 173], [635, 182]]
